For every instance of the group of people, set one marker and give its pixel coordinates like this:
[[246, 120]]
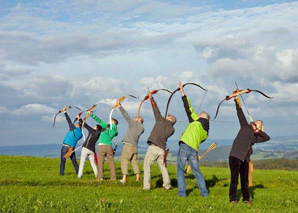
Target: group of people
[[196, 132]]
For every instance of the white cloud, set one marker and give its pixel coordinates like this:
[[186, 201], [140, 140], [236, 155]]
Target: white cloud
[[4, 110], [31, 109]]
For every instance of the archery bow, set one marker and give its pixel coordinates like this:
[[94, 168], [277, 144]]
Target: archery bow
[[147, 97], [249, 116], [62, 110], [168, 104], [236, 93], [114, 107]]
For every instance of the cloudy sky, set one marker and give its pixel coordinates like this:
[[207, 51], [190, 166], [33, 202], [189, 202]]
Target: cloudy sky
[[60, 53]]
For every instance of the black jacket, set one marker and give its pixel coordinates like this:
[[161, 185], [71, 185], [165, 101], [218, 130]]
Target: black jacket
[[242, 145], [162, 130], [91, 138]]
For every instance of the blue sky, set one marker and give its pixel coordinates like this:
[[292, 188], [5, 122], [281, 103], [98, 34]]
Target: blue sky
[[59, 53]]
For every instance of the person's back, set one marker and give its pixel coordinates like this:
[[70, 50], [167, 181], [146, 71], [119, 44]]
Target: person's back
[[105, 146], [70, 140], [195, 133], [130, 144], [162, 130]]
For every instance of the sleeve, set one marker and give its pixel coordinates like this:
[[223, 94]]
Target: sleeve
[[240, 114], [190, 112], [125, 114], [89, 128], [99, 121], [156, 112], [70, 124], [262, 137]]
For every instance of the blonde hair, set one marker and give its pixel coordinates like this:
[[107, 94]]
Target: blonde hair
[[262, 124]]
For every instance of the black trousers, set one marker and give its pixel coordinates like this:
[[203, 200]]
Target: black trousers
[[236, 167]]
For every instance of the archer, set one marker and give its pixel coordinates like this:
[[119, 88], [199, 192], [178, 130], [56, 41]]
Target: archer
[[239, 157]]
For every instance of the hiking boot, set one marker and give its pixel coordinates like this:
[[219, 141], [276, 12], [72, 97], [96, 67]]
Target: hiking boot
[[248, 202], [233, 202]]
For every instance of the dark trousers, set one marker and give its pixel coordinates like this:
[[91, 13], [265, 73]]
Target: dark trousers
[[236, 167], [63, 160]]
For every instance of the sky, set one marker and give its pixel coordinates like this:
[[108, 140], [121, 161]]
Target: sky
[[59, 53]]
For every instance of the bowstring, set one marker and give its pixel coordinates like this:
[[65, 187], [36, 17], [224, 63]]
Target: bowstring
[[201, 102], [246, 108], [264, 108]]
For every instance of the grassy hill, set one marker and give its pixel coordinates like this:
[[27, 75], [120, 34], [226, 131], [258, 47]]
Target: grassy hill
[[31, 184]]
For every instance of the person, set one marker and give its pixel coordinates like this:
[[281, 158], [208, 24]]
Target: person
[[239, 157], [195, 133], [105, 146], [130, 149], [162, 130], [69, 143], [88, 149]]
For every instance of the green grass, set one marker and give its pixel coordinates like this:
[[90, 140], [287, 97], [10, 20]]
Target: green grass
[[29, 184]]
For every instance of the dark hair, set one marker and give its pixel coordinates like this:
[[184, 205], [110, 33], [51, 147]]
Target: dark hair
[[116, 121], [98, 127]]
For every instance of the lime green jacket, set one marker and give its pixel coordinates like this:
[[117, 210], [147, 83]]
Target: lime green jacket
[[196, 131], [107, 133]]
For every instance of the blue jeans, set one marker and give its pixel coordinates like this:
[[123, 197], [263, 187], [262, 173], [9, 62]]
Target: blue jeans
[[186, 153], [63, 160]]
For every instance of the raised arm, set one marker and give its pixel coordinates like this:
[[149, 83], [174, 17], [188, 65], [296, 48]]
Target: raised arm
[[262, 137], [156, 112], [89, 128], [70, 124], [99, 121], [125, 114], [240, 114], [191, 114]]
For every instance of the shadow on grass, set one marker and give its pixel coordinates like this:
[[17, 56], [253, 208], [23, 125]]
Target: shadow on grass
[[251, 191], [209, 182], [159, 183]]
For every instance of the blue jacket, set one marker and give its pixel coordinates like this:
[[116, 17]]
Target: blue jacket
[[73, 135]]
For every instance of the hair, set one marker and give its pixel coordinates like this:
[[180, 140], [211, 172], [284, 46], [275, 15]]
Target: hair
[[98, 127], [206, 115], [115, 120], [173, 118], [262, 124]]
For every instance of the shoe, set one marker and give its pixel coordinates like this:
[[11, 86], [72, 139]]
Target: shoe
[[233, 202], [248, 202], [123, 182], [100, 179]]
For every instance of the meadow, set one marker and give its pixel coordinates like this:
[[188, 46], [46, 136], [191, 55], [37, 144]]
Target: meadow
[[31, 184]]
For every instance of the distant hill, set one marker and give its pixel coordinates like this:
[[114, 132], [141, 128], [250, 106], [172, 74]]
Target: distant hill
[[276, 148]]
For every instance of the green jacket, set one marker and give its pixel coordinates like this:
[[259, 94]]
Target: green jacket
[[108, 134], [196, 131]]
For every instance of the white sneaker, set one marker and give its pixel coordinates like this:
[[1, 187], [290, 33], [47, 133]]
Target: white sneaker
[[122, 181]]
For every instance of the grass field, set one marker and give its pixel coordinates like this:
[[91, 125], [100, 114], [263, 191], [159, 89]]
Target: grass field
[[31, 184]]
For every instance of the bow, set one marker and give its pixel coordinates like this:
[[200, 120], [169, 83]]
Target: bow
[[86, 117], [236, 93], [114, 107], [62, 110], [147, 97], [168, 104]]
